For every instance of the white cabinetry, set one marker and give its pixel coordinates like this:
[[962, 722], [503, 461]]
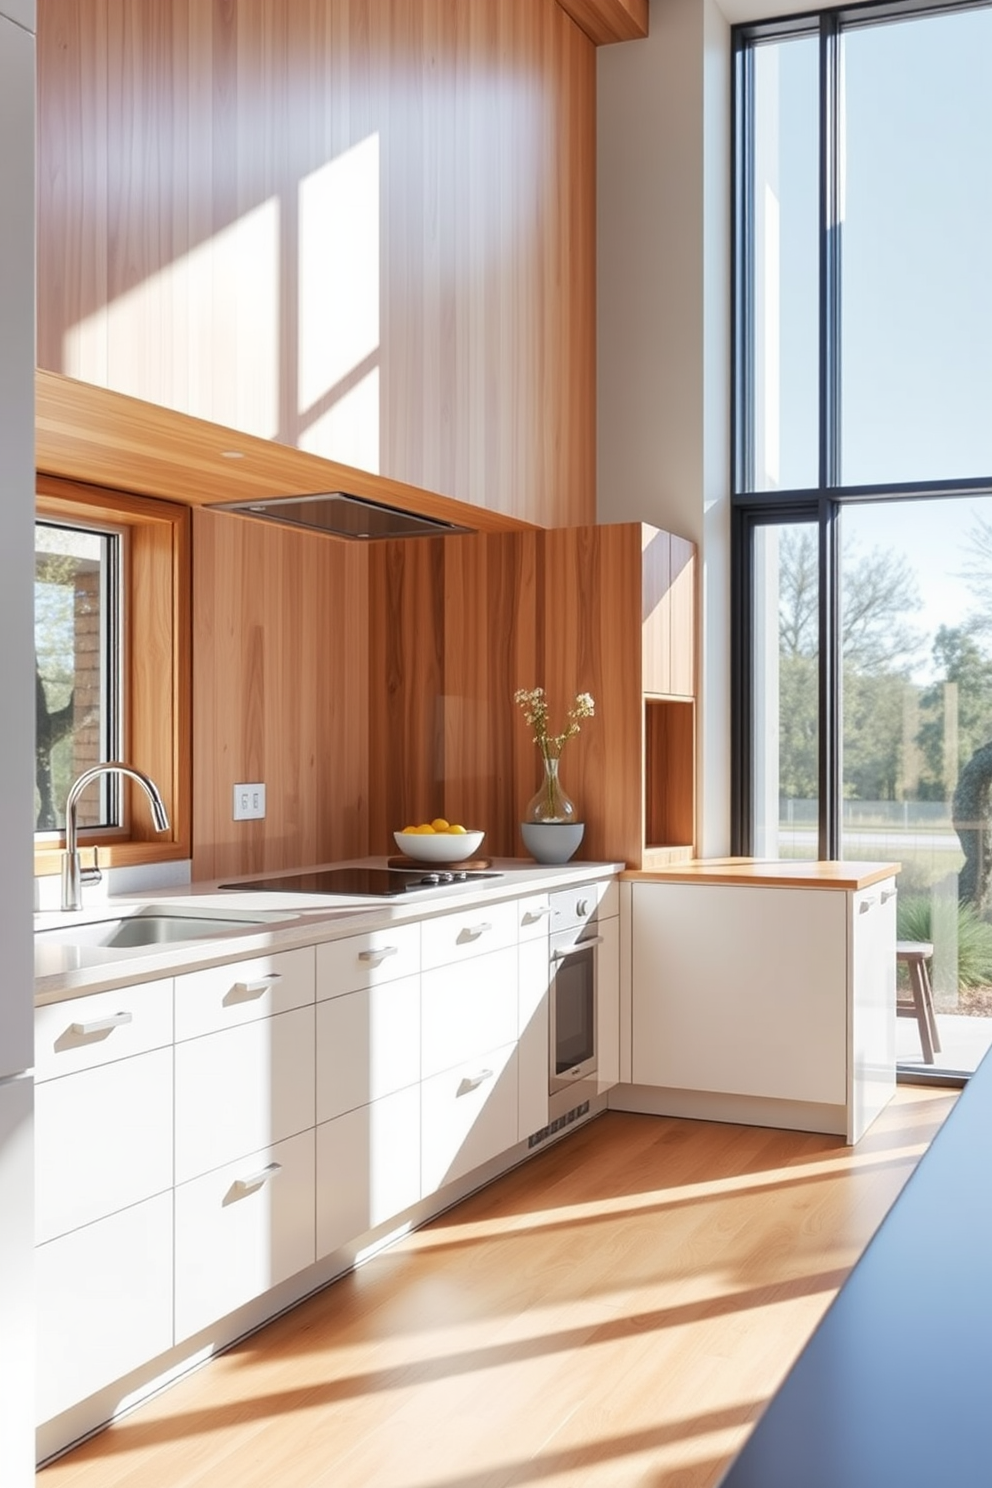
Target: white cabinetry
[[368, 1078], [765, 994], [104, 1189], [469, 1041], [533, 976], [244, 1141]]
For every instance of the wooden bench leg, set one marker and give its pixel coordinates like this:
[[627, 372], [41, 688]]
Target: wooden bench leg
[[919, 982], [928, 999]]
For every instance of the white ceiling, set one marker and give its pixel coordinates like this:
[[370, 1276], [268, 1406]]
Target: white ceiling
[[764, 10]]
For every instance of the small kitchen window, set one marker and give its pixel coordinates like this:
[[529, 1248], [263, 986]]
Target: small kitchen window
[[78, 656], [112, 659]]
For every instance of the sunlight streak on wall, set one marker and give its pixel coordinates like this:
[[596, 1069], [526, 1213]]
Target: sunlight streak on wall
[[338, 313], [201, 335]]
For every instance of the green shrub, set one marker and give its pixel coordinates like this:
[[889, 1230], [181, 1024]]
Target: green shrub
[[924, 918]]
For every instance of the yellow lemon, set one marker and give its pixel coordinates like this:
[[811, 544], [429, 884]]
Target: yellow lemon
[[439, 824], [408, 830], [456, 829], [426, 828]]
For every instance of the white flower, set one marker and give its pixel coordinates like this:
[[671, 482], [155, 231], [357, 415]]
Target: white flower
[[535, 709]]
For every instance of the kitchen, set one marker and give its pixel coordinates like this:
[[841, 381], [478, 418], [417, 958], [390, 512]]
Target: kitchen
[[675, 480]]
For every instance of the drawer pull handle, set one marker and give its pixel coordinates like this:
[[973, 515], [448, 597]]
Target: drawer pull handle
[[245, 991], [888, 894], [530, 915], [472, 932], [252, 1181], [378, 953], [573, 950], [101, 1025], [472, 1082], [865, 905]]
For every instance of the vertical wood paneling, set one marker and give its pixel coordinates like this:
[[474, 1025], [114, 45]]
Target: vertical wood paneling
[[175, 140], [280, 694], [406, 685]]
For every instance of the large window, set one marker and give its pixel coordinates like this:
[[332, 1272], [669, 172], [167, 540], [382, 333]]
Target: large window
[[863, 461], [112, 653]]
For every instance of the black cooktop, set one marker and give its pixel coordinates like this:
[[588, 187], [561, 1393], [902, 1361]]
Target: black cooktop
[[377, 883]]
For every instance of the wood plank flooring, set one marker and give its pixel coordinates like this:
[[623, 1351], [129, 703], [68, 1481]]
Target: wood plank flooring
[[617, 1311]]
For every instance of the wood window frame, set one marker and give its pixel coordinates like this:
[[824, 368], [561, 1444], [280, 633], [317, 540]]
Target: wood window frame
[[157, 667]]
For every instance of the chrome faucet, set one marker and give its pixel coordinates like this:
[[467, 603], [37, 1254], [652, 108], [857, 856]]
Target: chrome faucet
[[73, 876]]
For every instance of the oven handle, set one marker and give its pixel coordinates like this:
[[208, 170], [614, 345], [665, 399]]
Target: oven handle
[[580, 945]]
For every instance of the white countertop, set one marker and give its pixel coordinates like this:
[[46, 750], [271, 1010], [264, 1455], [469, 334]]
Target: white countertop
[[65, 971]]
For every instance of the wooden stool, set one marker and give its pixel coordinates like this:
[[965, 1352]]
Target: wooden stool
[[914, 954]]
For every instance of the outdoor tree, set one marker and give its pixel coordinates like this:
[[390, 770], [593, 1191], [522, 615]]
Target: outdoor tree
[[878, 646]]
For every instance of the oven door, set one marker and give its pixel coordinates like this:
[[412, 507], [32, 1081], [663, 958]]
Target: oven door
[[573, 1009]]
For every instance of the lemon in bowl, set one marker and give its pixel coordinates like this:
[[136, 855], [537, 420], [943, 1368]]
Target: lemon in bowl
[[438, 841]]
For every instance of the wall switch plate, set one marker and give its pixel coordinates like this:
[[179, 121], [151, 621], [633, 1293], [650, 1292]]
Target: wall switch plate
[[249, 801]]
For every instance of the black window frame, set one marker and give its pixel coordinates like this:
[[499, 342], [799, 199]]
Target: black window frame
[[823, 504]]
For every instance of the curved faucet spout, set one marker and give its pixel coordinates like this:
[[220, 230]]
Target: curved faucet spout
[[73, 877]]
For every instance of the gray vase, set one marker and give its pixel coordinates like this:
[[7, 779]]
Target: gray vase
[[551, 842]]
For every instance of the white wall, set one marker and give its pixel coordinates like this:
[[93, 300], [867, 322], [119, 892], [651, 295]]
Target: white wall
[[17, 19], [663, 325]]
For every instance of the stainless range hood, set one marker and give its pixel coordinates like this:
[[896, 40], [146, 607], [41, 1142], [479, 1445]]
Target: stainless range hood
[[337, 514]]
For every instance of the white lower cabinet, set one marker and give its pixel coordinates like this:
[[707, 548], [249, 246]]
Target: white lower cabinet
[[608, 1005], [368, 1167], [770, 993], [104, 1302], [106, 1138], [242, 1229], [243, 1089], [533, 1058], [368, 1045], [468, 1115], [467, 1008]]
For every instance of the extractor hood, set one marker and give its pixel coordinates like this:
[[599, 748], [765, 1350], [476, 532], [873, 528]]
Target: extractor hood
[[338, 514]]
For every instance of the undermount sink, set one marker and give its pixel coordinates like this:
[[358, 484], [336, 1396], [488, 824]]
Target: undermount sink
[[151, 927]]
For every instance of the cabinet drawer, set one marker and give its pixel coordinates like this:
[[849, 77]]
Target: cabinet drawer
[[241, 1230], [472, 932], [92, 1030], [467, 1009], [242, 1090], [242, 991], [104, 1302], [368, 1045], [365, 960], [468, 1115], [368, 1168], [103, 1140], [533, 917]]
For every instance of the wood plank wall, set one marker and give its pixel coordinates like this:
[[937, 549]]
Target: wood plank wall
[[359, 227], [280, 695]]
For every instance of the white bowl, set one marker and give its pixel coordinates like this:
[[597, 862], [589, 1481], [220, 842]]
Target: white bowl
[[439, 847]]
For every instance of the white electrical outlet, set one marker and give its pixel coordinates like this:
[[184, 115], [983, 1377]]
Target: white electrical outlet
[[249, 801]]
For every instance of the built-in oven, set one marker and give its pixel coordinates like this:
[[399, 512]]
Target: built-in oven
[[574, 943]]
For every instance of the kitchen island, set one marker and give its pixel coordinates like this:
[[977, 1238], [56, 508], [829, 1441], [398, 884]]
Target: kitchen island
[[895, 1386]]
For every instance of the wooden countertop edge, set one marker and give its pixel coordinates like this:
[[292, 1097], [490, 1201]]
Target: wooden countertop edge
[[769, 873]]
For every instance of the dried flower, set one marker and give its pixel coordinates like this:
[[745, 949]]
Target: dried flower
[[535, 709]]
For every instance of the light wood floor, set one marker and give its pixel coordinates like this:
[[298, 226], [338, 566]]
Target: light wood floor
[[615, 1312]]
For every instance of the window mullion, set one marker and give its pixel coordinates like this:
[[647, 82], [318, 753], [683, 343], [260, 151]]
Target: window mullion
[[830, 690]]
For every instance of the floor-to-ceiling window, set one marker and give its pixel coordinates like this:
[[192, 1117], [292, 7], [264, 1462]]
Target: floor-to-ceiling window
[[863, 469]]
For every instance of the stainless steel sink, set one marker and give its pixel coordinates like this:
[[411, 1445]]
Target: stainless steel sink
[[151, 927]]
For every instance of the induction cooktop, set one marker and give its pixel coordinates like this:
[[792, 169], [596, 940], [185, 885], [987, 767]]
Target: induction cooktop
[[376, 883]]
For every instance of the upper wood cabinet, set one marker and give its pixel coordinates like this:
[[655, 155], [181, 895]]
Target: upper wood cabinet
[[619, 622]]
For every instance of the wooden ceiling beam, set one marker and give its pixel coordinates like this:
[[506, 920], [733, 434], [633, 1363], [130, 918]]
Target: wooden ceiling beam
[[606, 21], [104, 438]]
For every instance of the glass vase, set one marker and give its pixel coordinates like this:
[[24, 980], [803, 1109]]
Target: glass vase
[[551, 828], [552, 803]]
